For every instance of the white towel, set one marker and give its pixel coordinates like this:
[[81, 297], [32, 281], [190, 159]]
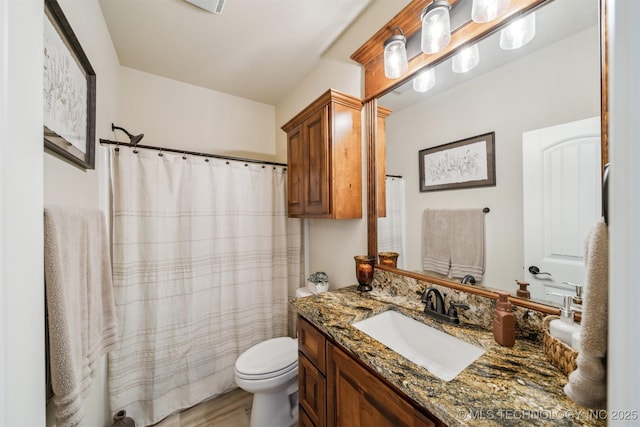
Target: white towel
[[588, 383], [435, 241], [453, 242], [466, 238], [80, 305]]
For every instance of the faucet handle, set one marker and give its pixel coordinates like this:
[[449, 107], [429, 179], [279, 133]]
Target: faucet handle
[[453, 309]]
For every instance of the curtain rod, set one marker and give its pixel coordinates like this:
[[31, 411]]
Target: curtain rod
[[393, 176], [191, 153]]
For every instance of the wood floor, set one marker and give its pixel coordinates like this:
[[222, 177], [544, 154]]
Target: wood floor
[[232, 409]]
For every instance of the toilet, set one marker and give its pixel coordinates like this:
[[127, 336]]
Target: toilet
[[269, 370]]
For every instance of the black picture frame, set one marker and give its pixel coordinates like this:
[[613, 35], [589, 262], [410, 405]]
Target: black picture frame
[[466, 163], [69, 92]]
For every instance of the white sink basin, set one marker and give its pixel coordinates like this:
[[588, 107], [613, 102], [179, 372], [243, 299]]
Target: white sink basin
[[440, 353]]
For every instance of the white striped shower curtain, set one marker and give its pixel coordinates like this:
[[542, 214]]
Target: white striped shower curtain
[[391, 228], [203, 253]]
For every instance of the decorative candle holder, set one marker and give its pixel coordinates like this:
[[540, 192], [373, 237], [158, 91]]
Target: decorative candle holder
[[364, 271], [389, 258]]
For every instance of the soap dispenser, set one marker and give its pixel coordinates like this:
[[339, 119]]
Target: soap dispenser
[[577, 299], [504, 322], [564, 327]]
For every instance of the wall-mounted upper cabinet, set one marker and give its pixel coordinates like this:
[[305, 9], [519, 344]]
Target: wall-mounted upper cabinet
[[324, 156]]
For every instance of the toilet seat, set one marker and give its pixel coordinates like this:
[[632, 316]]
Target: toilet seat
[[268, 359]]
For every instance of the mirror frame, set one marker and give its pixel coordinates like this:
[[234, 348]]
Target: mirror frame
[[370, 55]]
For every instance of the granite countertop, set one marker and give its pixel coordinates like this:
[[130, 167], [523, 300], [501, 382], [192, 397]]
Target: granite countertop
[[506, 386]]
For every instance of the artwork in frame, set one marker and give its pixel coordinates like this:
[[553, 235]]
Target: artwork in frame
[[69, 92], [466, 163]]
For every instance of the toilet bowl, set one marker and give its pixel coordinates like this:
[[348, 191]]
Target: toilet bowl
[[269, 370]]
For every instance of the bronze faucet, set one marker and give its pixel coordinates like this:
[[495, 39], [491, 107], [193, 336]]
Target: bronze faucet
[[437, 311]]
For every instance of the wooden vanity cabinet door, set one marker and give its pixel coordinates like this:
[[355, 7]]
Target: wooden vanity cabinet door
[[312, 383], [357, 398], [324, 157], [312, 392], [316, 163]]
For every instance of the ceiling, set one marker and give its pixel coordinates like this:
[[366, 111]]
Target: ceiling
[[256, 49]]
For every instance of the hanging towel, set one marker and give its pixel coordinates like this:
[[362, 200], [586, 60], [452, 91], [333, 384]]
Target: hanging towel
[[435, 240], [466, 239], [588, 383], [79, 302]]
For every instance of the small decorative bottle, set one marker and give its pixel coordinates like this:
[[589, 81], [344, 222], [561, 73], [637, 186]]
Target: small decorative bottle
[[120, 419], [504, 322], [523, 292]]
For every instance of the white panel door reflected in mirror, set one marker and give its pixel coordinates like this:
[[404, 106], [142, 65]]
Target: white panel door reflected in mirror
[[561, 179]]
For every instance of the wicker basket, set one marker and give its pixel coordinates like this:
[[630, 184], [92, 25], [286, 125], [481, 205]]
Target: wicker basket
[[559, 354]]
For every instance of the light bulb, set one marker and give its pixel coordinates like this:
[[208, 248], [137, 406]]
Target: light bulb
[[425, 80], [436, 27], [466, 60], [518, 33], [395, 57], [488, 10]]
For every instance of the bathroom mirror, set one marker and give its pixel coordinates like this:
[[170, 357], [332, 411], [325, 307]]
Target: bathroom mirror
[[552, 80]]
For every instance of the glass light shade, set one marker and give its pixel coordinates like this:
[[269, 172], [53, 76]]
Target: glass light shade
[[466, 60], [395, 57], [488, 10], [425, 80], [436, 27], [519, 32]]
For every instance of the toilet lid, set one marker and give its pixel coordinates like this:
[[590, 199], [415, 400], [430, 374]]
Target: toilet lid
[[268, 358]]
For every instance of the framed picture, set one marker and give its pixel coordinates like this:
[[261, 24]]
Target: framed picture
[[69, 92], [461, 164]]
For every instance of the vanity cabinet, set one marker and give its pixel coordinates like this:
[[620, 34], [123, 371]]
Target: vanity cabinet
[[324, 157], [312, 387], [334, 389]]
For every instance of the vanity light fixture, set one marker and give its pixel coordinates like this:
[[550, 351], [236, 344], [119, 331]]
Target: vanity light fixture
[[466, 60], [488, 10], [395, 55], [518, 33], [436, 26], [425, 80]]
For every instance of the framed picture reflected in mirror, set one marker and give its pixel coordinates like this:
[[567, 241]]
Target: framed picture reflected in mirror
[[465, 163]]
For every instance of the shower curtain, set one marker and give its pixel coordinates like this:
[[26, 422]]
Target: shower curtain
[[203, 253], [391, 227]]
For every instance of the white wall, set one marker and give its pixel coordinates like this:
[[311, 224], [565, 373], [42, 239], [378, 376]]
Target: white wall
[[21, 254], [68, 185], [554, 85], [624, 204], [332, 244], [179, 115]]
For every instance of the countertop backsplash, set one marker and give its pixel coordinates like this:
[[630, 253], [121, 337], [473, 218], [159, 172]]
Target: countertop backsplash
[[406, 291]]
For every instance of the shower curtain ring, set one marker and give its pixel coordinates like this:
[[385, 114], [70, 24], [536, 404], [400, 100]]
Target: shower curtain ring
[[184, 155]]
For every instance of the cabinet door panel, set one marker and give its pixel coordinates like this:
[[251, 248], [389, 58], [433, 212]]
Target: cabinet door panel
[[295, 175], [312, 388], [317, 158], [304, 420], [312, 343], [356, 397]]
